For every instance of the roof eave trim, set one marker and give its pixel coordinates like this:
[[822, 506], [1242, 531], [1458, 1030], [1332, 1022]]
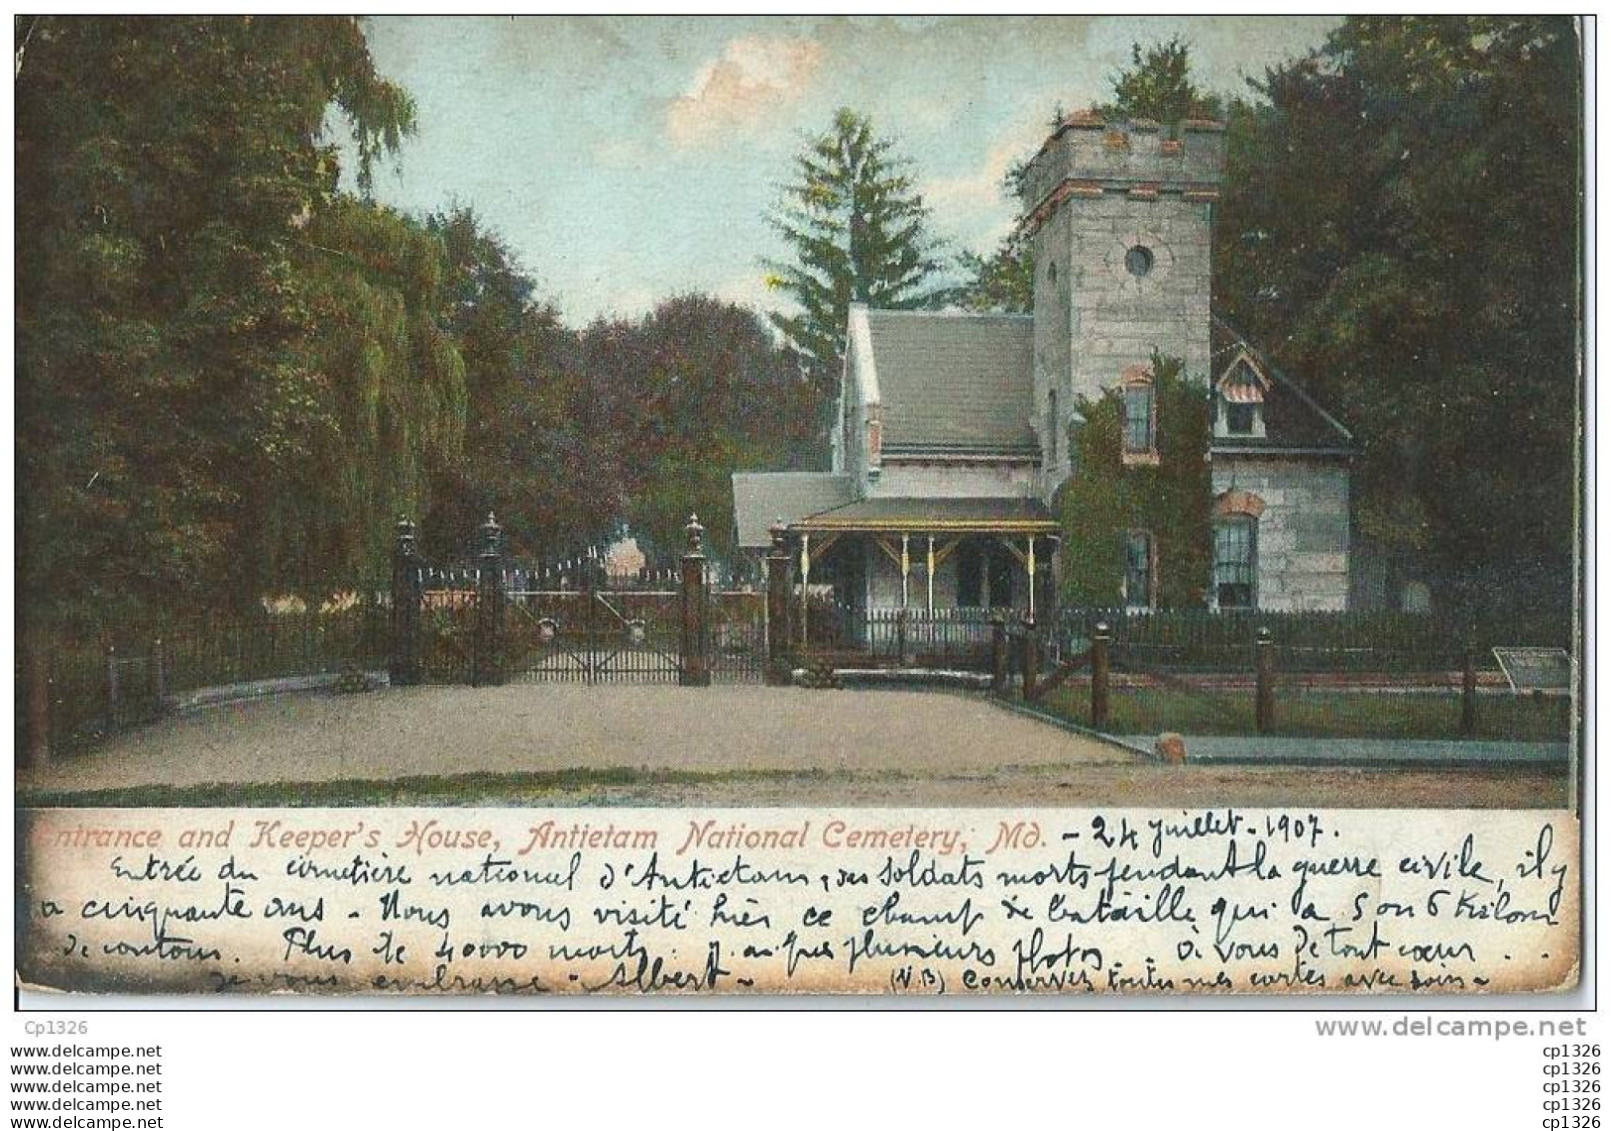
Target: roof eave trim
[[919, 523], [1279, 450], [1022, 454]]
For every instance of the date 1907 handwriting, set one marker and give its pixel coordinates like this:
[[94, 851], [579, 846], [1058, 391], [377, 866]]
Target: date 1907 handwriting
[[899, 901]]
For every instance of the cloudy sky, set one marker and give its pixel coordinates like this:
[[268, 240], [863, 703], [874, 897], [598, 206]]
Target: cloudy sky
[[628, 159]]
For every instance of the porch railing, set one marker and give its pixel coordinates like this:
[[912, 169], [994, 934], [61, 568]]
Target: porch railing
[[955, 638]]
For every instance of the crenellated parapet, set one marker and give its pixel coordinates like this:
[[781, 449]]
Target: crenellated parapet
[[1088, 157]]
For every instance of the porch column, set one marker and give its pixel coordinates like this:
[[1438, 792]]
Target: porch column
[[906, 569], [805, 584], [1029, 563], [931, 575], [777, 606]]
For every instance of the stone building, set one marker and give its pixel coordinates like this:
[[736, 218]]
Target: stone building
[[953, 430]]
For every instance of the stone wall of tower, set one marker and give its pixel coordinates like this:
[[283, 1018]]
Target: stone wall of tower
[[1120, 218]]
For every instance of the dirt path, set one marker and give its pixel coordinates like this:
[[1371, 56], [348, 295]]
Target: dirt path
[[729, 746], [547, 727]]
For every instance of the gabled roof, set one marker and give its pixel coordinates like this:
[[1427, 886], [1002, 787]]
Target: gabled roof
[[760, 498], [1293, 421], [954, 383]]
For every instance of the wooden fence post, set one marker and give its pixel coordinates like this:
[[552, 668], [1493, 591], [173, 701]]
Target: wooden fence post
[[1031, 660], [695, 606], [36, 660], [1099, 674], [1468, 694], [159, 675], [1264, 693], [113, 688], [487, 663], [998, 655], [778, 585], [405, 652]]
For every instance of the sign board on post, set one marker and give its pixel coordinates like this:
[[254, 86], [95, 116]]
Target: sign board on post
[[1536, 669]]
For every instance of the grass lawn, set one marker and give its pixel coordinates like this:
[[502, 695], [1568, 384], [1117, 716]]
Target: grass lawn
[[1319, 714]]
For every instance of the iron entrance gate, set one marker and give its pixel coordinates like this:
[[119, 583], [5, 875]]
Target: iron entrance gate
[[593, 636], [485, 624]]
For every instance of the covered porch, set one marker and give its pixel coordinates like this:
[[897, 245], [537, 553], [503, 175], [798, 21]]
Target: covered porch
[[910, 573]]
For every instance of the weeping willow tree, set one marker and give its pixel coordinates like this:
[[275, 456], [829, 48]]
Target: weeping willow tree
[[226, 368], [384, 384]]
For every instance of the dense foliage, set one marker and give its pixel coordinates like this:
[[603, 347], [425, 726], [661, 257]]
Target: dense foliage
[[1105, 499], [180, 239], [233, 376], [1400, 228], [1158, 86]]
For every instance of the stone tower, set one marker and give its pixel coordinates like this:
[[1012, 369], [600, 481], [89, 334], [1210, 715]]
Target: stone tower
[[1119, 217]]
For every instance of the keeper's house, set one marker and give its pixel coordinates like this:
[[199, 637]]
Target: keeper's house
[[953, 429]]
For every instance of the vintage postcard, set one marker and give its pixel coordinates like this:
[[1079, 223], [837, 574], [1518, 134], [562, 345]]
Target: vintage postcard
[[737, 505]]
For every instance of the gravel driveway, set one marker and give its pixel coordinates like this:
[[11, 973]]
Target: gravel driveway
[[730, 746], [544, 727]]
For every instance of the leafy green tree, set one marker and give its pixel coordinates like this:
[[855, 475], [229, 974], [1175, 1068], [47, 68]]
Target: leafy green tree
[[1158, 85], [528, 455], [385, 378], [719, 396], [858, 229], [1400, 226], [171, 174]]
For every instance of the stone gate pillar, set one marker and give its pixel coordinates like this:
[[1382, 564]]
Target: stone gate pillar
[[695, 609], [487, 669], [779, 584], [405, 642]]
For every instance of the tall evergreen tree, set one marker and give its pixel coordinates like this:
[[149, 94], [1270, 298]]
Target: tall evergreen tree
[[859, 231]]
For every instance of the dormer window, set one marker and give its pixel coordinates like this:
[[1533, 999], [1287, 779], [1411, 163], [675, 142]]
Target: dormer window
[[1239, 399]]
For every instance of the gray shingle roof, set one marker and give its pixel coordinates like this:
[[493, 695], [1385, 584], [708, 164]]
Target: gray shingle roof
[[955, 382], [760, 498]]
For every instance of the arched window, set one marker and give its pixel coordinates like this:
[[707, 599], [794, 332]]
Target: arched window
[[1236, 562], [1239, 409], [1236, 549]]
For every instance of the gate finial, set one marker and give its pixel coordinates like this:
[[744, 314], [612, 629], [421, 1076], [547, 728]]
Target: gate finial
[[490, 530], [405, 537], [696, 535]]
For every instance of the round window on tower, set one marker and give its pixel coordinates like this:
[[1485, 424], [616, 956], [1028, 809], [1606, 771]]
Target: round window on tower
[[1138, 260]]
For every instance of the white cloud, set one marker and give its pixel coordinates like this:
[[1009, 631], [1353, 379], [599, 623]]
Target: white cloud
[[974, 204], [750, 290], [754, 77]]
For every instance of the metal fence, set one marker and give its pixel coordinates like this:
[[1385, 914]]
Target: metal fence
[[1203, 640], [102, 678]]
